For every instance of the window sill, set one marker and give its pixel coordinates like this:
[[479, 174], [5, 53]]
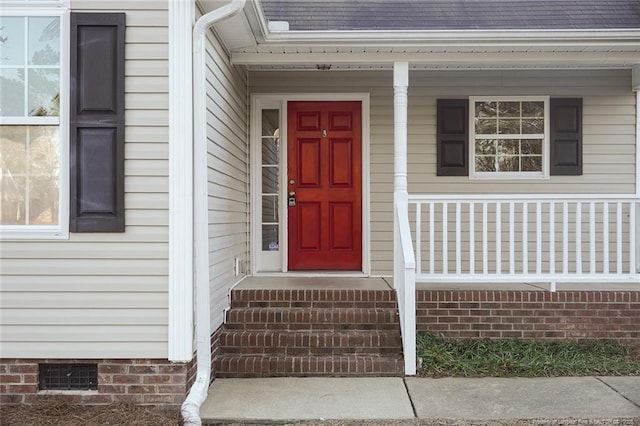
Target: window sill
[[508, 176], [33, 234]]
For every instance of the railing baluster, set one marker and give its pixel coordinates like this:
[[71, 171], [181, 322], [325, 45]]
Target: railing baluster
[[592, 237], [472, 238], [525, 237], [419, 237], [485, 251], [458, 230], [432, 238], [596, 255], [605, 237], [538, 237], [565, 238], [445, 238], [512, 251], [579, 237], [619, 252], [552, 237], [498, 237]]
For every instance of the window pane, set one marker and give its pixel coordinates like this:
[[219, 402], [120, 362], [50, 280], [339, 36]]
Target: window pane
[[12, 92], [533, 126], [270, 122], [44, 92], [509, 109], [43, 175], [12, 43], [531, 146], [44, 40], [13, 183], [270, 148], [270, 208], [531, 164], [509, 147], [486, 127], [508, 164], [533, 109], [509, 127], [485, 109], [486, 147], [270, 180], [270, 238], [485, 164]]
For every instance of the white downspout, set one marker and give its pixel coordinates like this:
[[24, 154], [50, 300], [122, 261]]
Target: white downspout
[[198, 392]]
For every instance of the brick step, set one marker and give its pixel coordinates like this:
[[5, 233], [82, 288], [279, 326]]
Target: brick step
[[240, 366], [310, 343], [313, 299], [312, 319]]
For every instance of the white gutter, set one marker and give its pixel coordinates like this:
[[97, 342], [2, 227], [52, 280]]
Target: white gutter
[[551, 37], [198, 392]]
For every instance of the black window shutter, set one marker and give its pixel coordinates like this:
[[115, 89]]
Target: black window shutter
[[97, 122], [453, 137], [566, 136]]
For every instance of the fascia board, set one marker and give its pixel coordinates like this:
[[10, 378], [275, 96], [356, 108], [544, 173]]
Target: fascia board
[[477, 36]]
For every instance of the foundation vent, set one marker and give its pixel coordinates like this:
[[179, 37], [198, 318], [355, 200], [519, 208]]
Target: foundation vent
[[68, 377]]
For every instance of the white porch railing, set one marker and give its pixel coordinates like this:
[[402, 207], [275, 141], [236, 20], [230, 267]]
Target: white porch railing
[[404, 282], [526, 238]]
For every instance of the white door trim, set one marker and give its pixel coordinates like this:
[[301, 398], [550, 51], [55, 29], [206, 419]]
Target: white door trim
[[273, 101]]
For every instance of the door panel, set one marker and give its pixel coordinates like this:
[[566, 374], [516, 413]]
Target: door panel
[[325, 174]]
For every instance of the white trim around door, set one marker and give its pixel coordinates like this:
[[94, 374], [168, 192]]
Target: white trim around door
[[273, 259]]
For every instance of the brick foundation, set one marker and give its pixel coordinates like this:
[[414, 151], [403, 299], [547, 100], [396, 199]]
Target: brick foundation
[[154, 382], [530, 314]]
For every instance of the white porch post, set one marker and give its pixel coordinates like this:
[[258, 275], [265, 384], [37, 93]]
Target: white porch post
[[403, 275], [400, 84]]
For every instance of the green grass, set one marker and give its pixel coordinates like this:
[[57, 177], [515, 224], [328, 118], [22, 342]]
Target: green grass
[[524, 358]]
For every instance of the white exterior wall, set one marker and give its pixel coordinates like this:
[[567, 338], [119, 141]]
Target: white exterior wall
[[228, 149], [105, 295], [608, 140]]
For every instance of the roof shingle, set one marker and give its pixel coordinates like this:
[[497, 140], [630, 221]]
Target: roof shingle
[[390, 15]]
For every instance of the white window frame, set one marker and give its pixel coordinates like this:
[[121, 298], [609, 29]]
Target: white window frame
[[544, 174], [61, 230]]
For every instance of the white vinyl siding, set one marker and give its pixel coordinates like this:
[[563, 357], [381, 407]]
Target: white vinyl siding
[[228, 149], [608, 132], [105, 295]]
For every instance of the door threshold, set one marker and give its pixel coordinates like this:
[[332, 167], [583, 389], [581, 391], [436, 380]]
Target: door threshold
[[313, 274]]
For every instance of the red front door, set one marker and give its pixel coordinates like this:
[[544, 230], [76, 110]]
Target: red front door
[[325, 180]]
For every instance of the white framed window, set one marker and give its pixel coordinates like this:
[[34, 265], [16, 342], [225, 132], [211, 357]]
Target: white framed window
[[34, 120], [509, 137], [267, 174]]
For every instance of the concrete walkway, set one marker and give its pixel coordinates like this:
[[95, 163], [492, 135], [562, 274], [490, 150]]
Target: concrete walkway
[[281, 400]]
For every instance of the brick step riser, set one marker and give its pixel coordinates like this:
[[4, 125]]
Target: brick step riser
[[270, 339], [352, 317], [310, 327], [313, 298], [304, 351], [280, 366]]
